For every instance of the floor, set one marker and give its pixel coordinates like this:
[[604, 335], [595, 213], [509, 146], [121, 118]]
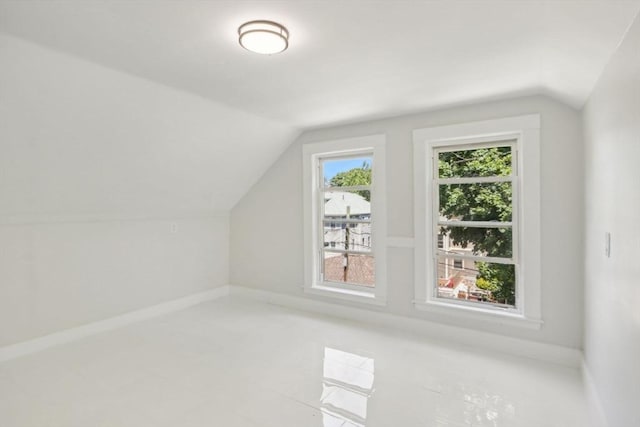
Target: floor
[[238, 363]]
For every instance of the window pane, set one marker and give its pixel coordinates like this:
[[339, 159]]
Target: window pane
[[482, 282], [476, 202], [495, 161], [347, 204], [339, 208], [493, 242], [347, 172], [349, 268], [347, 235]]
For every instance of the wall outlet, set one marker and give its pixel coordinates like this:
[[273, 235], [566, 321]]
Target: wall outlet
[[173, 228], [607, 244]]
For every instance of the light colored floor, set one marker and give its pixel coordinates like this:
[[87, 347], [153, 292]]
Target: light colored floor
[[233, 363]]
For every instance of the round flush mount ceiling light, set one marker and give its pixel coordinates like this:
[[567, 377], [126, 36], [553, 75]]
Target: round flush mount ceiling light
[[265, 37]]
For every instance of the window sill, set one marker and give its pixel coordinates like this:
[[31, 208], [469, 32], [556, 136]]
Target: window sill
[[496, 316], [346, 294]]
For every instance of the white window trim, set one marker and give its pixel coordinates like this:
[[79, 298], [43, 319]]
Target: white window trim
[[526, 129], [311, 187]]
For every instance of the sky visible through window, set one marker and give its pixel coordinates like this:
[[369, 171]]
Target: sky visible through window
[[333, 167]]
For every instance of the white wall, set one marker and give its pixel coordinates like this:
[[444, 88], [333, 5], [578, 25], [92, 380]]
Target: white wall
[[612, 187], [267, 231], [56, 275], [97, 171]]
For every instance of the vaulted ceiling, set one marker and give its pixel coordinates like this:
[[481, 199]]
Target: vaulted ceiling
[[348, 60], [156, 105]]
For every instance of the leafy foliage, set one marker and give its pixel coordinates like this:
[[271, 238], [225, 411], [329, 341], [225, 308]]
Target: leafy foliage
[[500, 280], [481, 202], [353, 177]]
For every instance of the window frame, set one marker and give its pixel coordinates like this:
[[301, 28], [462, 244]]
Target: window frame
[[313, 154], [525, 131]]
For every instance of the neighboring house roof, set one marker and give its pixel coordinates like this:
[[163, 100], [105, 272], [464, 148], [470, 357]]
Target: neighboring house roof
[[336, 203], [361, 269]]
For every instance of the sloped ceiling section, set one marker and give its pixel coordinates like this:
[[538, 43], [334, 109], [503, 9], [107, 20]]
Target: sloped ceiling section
[[348, 60], [80, 139], [151, 106]]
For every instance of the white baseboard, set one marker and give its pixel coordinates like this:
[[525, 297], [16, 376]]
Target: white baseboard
[[37, 344], [477, 339], [565, 356], [596, 411]]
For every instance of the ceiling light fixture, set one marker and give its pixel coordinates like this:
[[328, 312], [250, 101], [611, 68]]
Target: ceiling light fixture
[[266, 37]]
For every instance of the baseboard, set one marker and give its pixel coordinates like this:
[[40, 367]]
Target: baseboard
[[477, 339], [37, 344], [565, 356], [596, 411]]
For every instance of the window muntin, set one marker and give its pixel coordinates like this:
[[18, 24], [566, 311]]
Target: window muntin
[[474, 204], [346, 252]]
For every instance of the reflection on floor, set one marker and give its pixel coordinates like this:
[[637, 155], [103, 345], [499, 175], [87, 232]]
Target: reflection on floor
[[346, 388], [239, 363]]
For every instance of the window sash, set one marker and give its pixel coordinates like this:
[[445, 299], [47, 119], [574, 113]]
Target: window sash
[[337, 250], [323, 220], [328, 220], [346, 189], [436, 181], [475, 224], [474, 180], [481, 258]]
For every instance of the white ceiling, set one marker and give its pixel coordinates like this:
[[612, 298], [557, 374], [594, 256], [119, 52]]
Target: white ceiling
[[348, 60]]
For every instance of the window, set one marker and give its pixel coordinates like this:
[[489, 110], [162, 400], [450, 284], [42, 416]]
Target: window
[[477, 187], [345, 219], [346, 191], [474, 200]]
